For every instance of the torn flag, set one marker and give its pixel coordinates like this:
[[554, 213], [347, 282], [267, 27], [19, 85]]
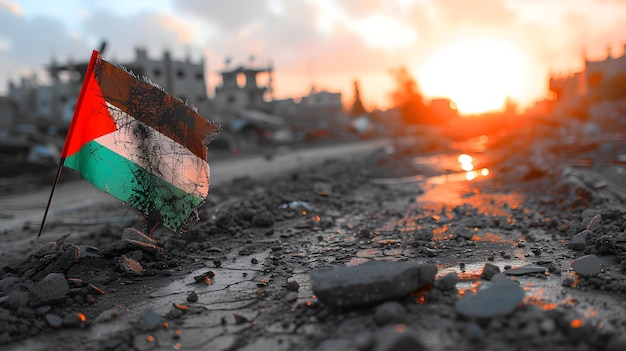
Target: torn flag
[[141, 145]]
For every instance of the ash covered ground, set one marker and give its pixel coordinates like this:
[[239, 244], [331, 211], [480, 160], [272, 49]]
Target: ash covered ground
[[395, 250]]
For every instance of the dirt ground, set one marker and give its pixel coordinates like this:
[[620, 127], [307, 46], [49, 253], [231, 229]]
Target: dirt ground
[[243, 277]]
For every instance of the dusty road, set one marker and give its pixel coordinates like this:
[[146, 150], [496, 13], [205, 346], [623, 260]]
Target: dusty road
[[501, 236], [77, 203]]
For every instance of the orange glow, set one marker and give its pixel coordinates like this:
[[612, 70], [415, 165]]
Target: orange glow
[[400, 328], [181, 307], [178, 331], [478, 73], [473, 289], [466, 162], [471, 175], [576, 323], [442, 233], [538, 301], [303, 212], [492, 238], [150, 338], [82, 316]]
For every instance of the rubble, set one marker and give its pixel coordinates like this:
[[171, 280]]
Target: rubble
[[526, 269], [51, 290], [336, 266], [489, 271], [587, 266], [497, 299], [369, 283]]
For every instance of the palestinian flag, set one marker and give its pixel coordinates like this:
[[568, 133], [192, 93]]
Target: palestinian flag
[[141, 145]]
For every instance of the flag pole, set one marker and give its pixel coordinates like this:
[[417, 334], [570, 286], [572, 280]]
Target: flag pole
[[70, 132]]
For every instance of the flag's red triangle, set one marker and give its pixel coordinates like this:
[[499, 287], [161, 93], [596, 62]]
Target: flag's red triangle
[[92, 118]]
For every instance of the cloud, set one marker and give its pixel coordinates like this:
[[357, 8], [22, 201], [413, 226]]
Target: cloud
[[229, 15], [32, 42], [149, 30], [11, 7]]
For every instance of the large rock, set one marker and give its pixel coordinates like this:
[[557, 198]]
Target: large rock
[[497, 299], [49, 291], [587, 266], [370, 283]]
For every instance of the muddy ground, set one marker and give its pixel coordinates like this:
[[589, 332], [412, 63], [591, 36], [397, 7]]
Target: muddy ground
[[247, 275]]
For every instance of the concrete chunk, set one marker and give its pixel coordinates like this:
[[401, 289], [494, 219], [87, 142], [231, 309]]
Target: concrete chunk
[[49, 291], [498, 299], [369, 283], [587, 266]]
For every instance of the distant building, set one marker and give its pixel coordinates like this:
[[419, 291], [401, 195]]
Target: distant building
[[240, 89], [52, 104], [599, 80], [318, 114]]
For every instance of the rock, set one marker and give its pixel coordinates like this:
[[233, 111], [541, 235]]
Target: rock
[[68, 255], [423, 234], [263, 219], [606, 245], [587, 266], [128, 266], [622, 266], [526, 269], [240, 319], [49, 291], [150, 320], [463, 232], [579, 241], [15, 299], [596, 224], [498, 299], [88, 251], [53, 320], [46, 249], [192, 297], [73, 320], [121, 247], [390, 312], [292, 285], [7, 283], [447, 282], [489, 270], [369, 283], [588, 214], [204, 277], [397, 338]]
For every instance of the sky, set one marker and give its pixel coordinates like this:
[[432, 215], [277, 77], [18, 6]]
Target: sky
[[476, 52]]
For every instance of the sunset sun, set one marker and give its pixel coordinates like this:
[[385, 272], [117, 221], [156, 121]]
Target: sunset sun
[[476, 74]]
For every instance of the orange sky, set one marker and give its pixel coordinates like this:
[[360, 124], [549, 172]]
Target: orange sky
[[477, 52]]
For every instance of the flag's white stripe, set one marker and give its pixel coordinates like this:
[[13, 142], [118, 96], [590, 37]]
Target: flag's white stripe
[[157, 153]]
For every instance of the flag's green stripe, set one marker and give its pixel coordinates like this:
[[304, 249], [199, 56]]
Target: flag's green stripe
[[134, 185]]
